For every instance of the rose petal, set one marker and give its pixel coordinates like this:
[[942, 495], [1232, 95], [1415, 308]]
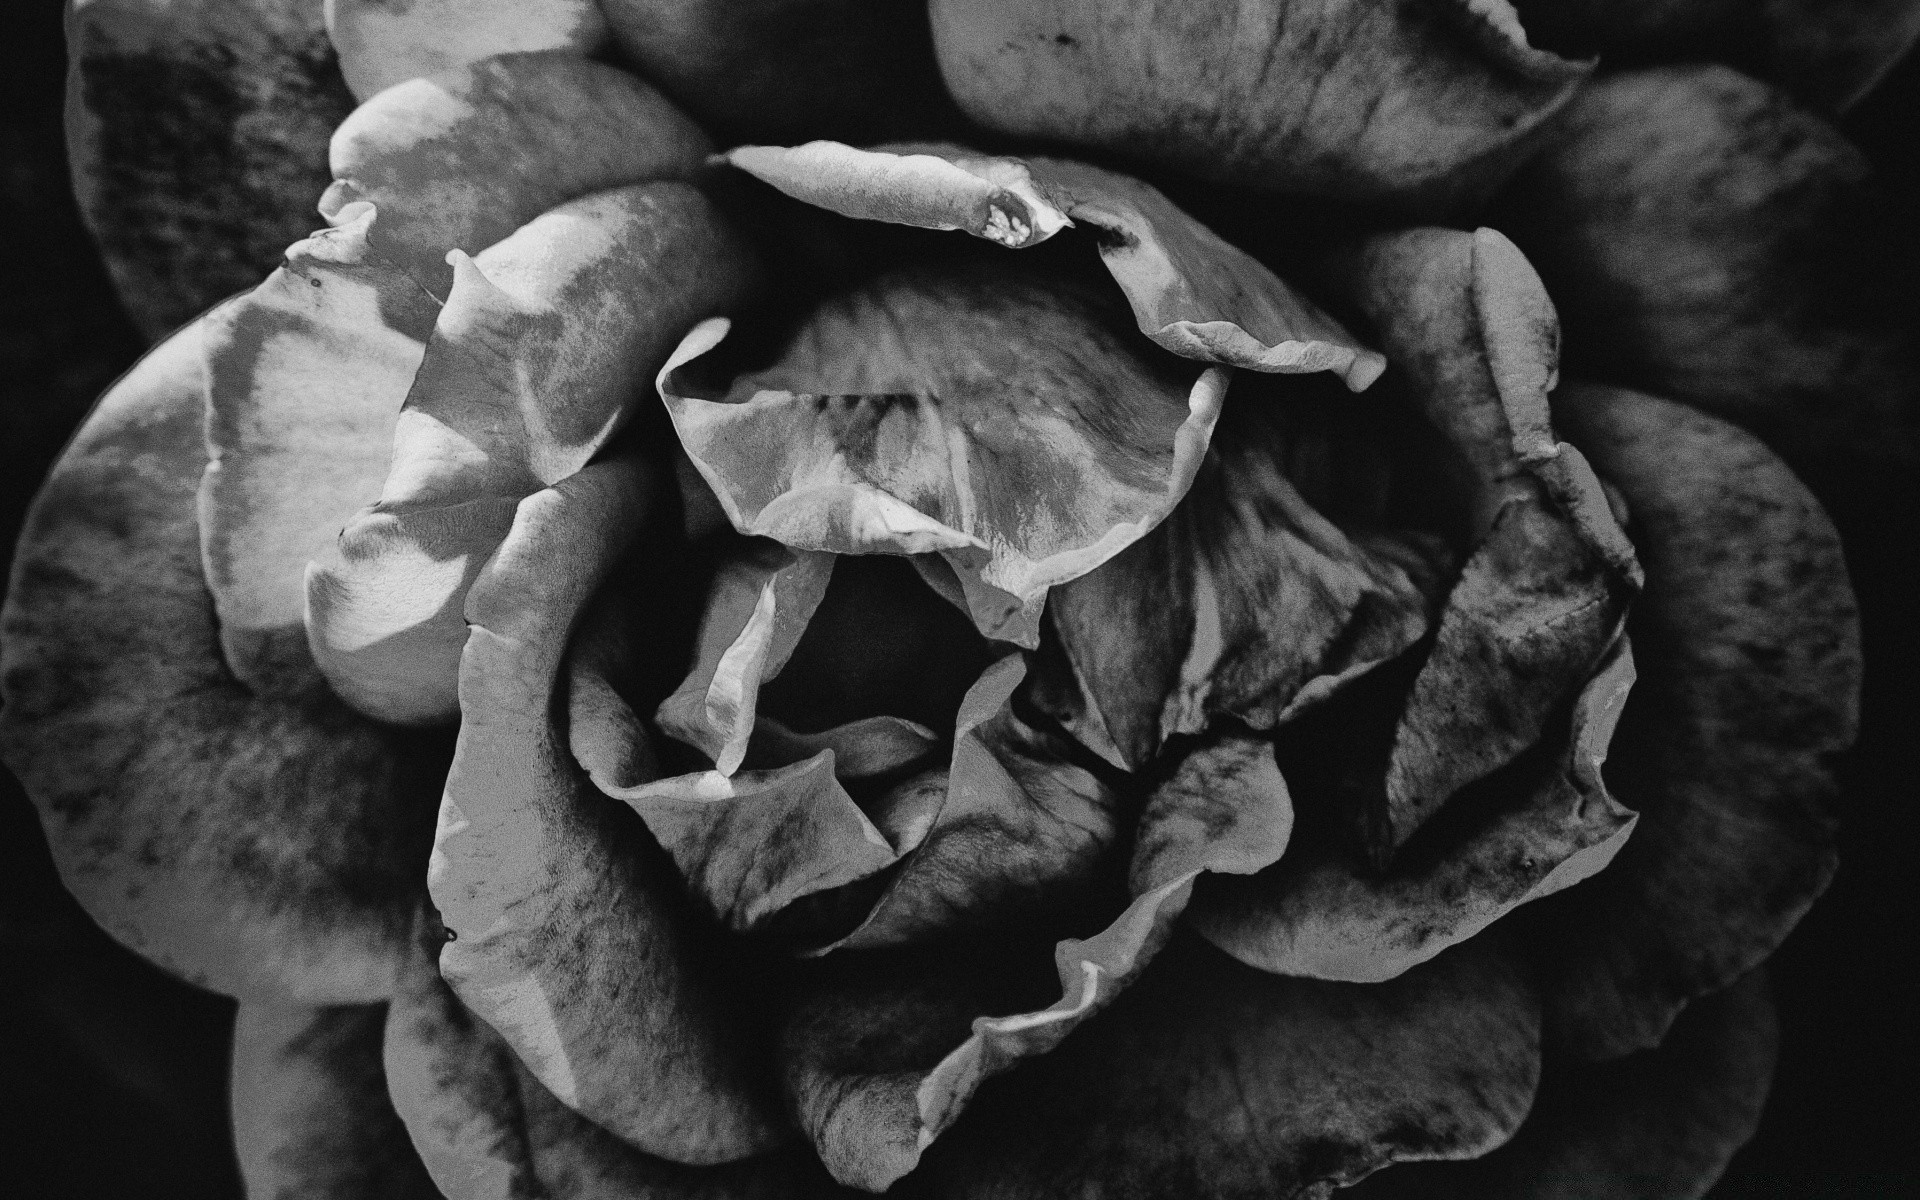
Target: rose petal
[[310, 1109], [978, 414], [1543, 594], [1191, 292], [1246, 602], [304, 377], [757, 607], [788, 68], [381, 44], [488, 1130], [1208, 1079], [198, 134], [568, 941], [1827, 53], [1324, 915], [538, 358], [268, 846], [461, 160], [1750, 641], [1709, 240], [1350, 99], [1664, 1122]]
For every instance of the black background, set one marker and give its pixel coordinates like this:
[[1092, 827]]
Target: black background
[[112, 1075]]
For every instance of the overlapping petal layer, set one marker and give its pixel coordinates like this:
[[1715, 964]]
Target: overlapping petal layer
[[1749, 637], [268, 845], [1710, 240], [981, 414], [1190, 291], [197, 132], [1403, 103], [381, 44]]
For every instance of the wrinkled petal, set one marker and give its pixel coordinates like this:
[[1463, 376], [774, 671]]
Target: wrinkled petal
[[1663, 1122], [381, 44], [1224, 809], [197, 131], [1709, 240], [459, 161], [304, 377], [541, 354], [1208, 1079], [268, 846], [1829, 53], [1542, 596], [1324, 915], [1246, 603], [1750, 644], [1191, 292], [979, 415], [1351, 99], [310, 1110], [487, 1129], [564, 934], [789, 68]]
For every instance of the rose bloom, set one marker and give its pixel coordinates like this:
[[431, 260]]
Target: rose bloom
[[651, 663]]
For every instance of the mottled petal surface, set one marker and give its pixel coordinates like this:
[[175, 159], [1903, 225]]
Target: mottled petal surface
[[381, 43]]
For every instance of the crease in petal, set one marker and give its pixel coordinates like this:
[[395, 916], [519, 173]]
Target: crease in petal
[[539, 357], [460, 160], [564, 933], [980, 415], [1190, 291], [304, 376], [381, 44], [1323, 913]]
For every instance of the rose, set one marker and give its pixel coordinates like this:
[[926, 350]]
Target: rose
[[538, 592]]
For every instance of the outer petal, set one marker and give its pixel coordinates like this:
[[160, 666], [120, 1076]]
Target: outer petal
[[1708, 239], [563, 933], [1829, 53], [310, 1110], [304, 376], [1191, 292], [1538, 828], [1664, 1122], [1352, 99], [381, 44], [1208, 1079], [197, 130], [488, 1130], [1750, 639], [269, 846], [461, 160], [1543, 594], [979, 415], [539, 357], [789, 68]]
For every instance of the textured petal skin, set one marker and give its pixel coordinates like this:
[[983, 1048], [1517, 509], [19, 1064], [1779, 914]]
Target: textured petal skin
[[1828, 53], [1661, 1123], [488, 1130], [1402, 103], [1209, 1079], [1710, 240], [459, 161], [304, 376], [1750, 645], [310, 1110], [541, 354], [1191, 292], [788, 69], [266, 846], [197, 132], [381, 43], [980, 415], [564, 934]]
